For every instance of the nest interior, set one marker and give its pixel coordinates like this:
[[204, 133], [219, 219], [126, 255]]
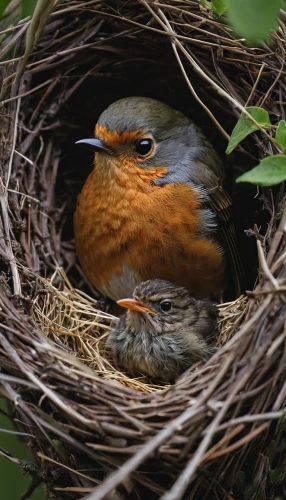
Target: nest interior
[[217, 432]]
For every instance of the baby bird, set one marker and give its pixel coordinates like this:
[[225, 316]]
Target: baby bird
[[164, 331]]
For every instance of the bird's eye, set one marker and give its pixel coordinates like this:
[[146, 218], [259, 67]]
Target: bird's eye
[[165, 305], [144, 146]]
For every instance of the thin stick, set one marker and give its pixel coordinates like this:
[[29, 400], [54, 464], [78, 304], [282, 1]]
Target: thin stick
[[215, 86], [121, 474], [227, 437], [13, 142], [238, 443], [44, 84], [24, 195], [179, 487], [264, 266], [221, 129], [48, 392], [265, 97], [275, 415], [44, 457], [255, 84], [245, 328], [277, 238], [278, 262], [10, 254], [25, 157]]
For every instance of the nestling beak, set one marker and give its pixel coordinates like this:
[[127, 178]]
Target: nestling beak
[[95, 145], [134, 305]]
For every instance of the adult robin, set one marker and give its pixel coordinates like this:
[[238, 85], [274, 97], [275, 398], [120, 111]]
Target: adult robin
[[164, 332], [154, 205]]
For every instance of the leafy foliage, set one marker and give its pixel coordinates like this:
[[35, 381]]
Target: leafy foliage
[[43, 9], [27, 8], [270, 171], [3, 5], [280, 136], [244, 126], [219, 7], [253, 19]]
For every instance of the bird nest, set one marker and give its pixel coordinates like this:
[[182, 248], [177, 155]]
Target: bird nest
[[95, 432]]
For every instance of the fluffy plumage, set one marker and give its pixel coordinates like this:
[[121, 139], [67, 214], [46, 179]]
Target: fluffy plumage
[[163, 343], [161, 215]]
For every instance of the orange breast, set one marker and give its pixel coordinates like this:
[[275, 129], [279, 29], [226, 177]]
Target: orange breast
[[122, 218]]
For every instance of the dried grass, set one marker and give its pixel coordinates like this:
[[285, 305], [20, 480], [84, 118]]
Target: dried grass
[[72, 319], [217, 432]]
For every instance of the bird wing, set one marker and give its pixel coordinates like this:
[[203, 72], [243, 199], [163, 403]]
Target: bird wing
[[220, 202], [200, 167]]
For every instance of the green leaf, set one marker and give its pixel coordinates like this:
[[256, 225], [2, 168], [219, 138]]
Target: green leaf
[[244, 126], [280, 136], [219, 7], [40, 16], [270, 171], [58, 445], [27, 8], [3, 5], [254, 19], [278, 475], [207, 4]]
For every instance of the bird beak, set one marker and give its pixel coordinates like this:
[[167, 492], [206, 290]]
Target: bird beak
[[95, 145], [134, 305]]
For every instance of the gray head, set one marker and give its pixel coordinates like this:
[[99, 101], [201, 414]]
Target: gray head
[[152, 116], [153, 134]]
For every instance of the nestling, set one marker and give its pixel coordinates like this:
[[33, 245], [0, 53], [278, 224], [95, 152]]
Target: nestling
[[156, 190], [164, 331]]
